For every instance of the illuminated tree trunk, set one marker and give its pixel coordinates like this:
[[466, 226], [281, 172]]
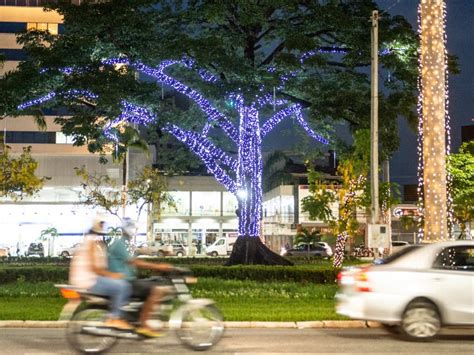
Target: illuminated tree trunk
[[248, 248], [433, 113]]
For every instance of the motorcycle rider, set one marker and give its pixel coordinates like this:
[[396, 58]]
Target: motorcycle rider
[[89, 271], [120, 260]]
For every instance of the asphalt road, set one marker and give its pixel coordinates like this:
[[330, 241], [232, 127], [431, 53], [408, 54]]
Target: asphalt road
[[253, 341]]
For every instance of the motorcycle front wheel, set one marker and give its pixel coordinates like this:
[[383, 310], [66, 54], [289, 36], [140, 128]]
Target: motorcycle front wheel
[[201, 327], [81, 338]]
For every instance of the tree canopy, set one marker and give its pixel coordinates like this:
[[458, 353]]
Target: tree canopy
[[247, 44]]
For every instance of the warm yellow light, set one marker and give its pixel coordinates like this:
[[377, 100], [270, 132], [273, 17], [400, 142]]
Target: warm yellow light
[[433, 112]]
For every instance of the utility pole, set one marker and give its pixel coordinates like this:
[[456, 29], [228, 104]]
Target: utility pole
[[374, 120]]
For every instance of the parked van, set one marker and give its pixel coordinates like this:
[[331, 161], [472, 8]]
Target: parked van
[[221, 247]]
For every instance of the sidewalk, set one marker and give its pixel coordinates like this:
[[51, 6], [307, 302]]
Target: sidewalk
[[295, 325]]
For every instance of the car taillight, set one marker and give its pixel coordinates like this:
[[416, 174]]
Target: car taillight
[[362, 281]]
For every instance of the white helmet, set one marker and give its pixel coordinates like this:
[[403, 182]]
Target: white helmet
[[129, 227], [99, 225]]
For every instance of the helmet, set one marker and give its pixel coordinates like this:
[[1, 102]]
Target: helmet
[[99, 225], [129, 227]]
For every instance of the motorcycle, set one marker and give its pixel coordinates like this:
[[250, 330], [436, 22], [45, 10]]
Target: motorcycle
[[198, 323]]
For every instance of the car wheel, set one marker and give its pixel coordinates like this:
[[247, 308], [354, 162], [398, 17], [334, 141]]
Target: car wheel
[[160, 254], [214, 253], [420, 321], [179, 253], [64, 254]]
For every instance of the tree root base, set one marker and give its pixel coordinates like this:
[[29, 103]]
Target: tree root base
[[251, 251]]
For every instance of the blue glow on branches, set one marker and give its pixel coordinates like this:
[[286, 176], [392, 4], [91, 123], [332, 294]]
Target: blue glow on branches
[[67, 94], [242, 176]]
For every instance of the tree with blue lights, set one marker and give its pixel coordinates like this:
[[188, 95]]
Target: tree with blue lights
[[241, 175], [252, 64]]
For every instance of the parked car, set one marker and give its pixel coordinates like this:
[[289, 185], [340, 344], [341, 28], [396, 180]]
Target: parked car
[[314, 250], [153, 249], [67, 252], [415, 291], [178, 249], [221, 247], [35, 249], [325, 246]]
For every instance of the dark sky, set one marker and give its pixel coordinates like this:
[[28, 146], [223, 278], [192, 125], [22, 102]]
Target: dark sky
[[460, 42]]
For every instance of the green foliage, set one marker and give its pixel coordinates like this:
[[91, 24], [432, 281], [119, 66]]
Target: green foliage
[[17, 174], [48, 233], [461, 167], [149, 187], [238, 300], [237, 40], [321, 275]]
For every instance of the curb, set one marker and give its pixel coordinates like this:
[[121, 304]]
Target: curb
[[262, 325]]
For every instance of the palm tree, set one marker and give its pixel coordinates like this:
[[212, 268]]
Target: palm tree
[[49, 235], [307, 237]]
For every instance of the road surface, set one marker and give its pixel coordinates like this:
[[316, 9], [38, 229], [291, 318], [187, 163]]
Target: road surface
[[253, 341]]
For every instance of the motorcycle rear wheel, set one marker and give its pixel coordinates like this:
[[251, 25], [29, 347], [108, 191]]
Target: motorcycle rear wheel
[[82, 341], [201, 328]]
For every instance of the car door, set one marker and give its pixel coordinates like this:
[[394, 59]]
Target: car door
[[453, 277]]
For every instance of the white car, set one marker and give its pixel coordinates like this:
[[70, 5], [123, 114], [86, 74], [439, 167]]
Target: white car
[[326, 246], [398, 244], [415, 291]]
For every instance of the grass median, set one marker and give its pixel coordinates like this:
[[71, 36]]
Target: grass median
[[238, 300]]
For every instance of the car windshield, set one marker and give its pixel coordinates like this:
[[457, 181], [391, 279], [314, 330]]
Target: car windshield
[[406, 250]]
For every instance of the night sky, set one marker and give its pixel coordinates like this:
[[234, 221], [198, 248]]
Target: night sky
[[460, 42]]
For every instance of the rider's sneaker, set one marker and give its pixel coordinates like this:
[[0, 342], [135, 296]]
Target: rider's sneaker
[[118, 324], [147, 332]]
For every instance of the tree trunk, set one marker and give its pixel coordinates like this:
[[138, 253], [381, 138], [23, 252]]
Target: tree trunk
[[248, 248], [251, 251]]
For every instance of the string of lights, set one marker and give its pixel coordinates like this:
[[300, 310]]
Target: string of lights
[[433, 126], [247, 169]]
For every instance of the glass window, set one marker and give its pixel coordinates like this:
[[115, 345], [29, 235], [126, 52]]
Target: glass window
[[181, 204], [42, 26], [206, 203], [455, 258], [229, 204]]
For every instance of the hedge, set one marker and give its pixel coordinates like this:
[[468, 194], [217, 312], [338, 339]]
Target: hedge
[[173, 260], [249, 272]]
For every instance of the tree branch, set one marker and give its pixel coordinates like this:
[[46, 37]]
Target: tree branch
[[208, 153], [272, 55]]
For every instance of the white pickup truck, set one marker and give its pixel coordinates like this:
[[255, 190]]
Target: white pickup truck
[[221, 247]]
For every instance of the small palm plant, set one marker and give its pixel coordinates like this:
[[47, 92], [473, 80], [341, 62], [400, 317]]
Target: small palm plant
[[307, 237], [49, 235]]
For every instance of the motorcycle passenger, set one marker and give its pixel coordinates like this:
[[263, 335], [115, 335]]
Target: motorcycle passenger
[[121, 260], [89, 271]]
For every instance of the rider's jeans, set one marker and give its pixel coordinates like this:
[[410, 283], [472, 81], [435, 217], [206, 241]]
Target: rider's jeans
[[118, 290]]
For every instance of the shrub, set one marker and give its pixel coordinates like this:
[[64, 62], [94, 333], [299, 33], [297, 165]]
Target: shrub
[[33, 274], [322, 275]]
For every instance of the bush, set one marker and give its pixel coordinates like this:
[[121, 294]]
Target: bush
[[33, 274], [23, 260], [321, 275]]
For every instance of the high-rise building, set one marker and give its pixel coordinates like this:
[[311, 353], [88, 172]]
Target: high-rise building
[[57, 204]]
